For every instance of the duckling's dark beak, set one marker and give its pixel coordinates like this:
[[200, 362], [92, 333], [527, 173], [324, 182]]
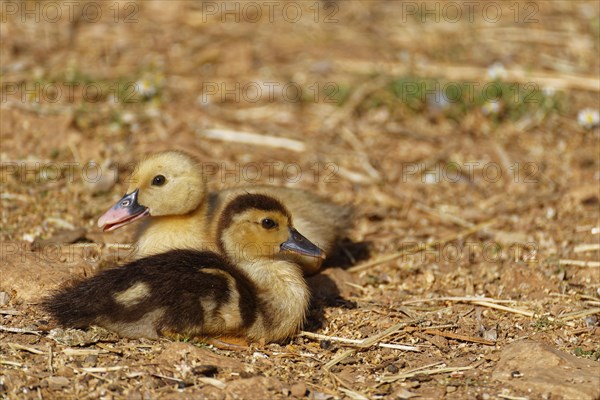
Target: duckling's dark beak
[[298, 244], [124, 212]]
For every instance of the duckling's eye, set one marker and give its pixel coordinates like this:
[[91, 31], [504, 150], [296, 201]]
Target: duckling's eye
[[268, 223], [158, 180]]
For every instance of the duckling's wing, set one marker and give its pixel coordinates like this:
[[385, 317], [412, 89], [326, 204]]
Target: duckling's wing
[[178, 291]]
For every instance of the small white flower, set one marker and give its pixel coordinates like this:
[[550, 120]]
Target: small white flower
[[135, 127], [497, 72], [438, 101], [114, 127], [430, 178], [153, 111], [588, 118], [128, 118], [28, 237], [491, 108], [145, 87], [549, 91]]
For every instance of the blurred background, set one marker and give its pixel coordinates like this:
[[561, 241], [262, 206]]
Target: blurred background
[[374, 94], [430, 117]]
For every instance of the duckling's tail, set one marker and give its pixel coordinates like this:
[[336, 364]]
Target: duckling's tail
[[77, 304]]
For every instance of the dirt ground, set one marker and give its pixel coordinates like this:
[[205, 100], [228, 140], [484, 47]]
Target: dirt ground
[[454, 128]]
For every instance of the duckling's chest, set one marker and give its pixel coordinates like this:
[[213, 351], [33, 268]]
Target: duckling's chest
[[284, 295]]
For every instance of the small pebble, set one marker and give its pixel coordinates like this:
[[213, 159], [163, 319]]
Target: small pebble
[[4, 298], [57, 382], [298, 389], [491, 335], [134, 396], [101, 178], [90, 360], [65, 372], [451, 389], [325, 344], [113, 387], [411, 384], [183, 385], [392, 368], [402, 394]]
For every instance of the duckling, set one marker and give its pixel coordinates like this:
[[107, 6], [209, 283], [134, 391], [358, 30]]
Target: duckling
[[170, 188], [249, 290]]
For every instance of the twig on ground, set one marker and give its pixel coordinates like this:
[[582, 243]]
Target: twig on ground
[[367, 342], [338, 358], [16, 346], [463, 72], [9, 312], [509, 309], [508, 397], [103, 369], [359, 342], [353, 394], [359, 147], [347, 389], [578, 314], [110, 349], [12, 363], [579, 263], [582, 248], [460, 299], [456, 336], [19, 330], [83, 352], [50, 359], [393, 378], [214, 382], [254, 139]]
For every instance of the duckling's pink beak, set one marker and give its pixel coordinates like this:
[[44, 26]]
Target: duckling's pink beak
[[298, 244], [124, 212]]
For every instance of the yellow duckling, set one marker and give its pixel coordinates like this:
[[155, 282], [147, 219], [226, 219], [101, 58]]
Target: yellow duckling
[[252, 292], [170, 188]]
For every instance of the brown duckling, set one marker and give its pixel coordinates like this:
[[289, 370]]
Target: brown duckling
[[170, 188], [250, 290]]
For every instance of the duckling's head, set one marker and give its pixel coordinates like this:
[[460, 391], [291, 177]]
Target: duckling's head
[[162, 184], [256, 226]]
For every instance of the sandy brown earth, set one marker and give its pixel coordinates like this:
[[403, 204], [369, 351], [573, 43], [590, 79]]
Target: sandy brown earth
[[473, 270]]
